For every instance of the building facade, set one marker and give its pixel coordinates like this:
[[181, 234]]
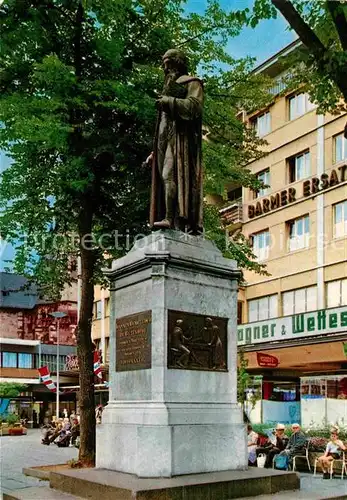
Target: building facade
[[28, 340], [293, 323]]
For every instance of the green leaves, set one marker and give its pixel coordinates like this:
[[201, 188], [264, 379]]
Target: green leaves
[[78, 108], [11, 390], [321, 63]]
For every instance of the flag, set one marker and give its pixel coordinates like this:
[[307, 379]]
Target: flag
[[47, 379], [97, 365]]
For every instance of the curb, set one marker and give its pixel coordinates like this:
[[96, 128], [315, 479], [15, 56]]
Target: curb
[[41, 471]]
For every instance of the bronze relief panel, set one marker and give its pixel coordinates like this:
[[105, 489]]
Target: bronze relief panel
[[133, 342], [197, 342]]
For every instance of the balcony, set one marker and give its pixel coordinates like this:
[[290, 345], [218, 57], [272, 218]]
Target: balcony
[[232, 215]]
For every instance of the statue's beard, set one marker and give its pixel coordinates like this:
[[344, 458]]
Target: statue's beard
[[171, 76]]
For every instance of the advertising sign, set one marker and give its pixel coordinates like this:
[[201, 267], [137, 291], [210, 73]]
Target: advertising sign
[[266, 360], [324, 321], [285, 412]]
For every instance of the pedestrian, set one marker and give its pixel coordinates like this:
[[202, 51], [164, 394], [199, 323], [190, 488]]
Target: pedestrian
[[72, 417], [98, 414], [35, 419]]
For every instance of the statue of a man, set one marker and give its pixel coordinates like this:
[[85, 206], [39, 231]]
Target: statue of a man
[[177, 198]]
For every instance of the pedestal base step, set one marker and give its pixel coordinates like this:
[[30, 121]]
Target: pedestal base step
[[297, 495], [94, 484], [38, 493]]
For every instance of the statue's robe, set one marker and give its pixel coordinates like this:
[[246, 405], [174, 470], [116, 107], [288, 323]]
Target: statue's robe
[[185, 115]]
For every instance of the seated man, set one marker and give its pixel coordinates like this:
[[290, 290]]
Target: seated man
[[296, 443], [277, 444], [333, 452]]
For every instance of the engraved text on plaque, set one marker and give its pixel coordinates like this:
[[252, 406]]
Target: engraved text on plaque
[[133, 342]]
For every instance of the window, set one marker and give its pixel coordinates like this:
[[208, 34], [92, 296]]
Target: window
[[299, 167], [264, 177], [24, 360], [98, 310], [299, 233], [336, 292], [261, 245], [298, 105], [340, 219], [107, 348], [235, 194], [107, 306], [9, 360], [262, 124], [51, 361], [299, 301], [239, 312], [340, 147], [263, 308]]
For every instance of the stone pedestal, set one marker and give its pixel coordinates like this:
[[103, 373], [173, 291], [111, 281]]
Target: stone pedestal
[[164, 421]]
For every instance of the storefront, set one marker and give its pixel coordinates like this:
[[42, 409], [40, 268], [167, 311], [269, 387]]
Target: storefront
[[302, 363]]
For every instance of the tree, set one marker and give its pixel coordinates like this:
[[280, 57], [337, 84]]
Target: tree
[[11, 389], [244, 381], [322, 29], [79, 81]]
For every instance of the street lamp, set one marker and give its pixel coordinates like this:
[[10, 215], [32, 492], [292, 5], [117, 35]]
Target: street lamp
[[57, 315]]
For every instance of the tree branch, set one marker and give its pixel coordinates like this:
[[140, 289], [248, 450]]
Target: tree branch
[[338, 14], [78, 40], [306, 34], [201, 33]]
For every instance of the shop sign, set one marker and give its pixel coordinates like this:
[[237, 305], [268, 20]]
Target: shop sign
[[71, 362], [266, 360], [345, 348], [322, 322], [288, 196]]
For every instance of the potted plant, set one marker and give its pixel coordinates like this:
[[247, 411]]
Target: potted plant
[[15, 428]]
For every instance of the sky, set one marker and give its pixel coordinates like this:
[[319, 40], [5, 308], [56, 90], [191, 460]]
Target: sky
[[265, 40], [262, 42]]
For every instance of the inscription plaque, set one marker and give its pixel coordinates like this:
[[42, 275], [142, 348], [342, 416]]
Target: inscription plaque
[[197, 342], [133, 342]]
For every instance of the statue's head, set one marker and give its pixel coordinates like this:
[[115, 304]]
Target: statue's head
[[175, 60], [208, 321], [179, 322]]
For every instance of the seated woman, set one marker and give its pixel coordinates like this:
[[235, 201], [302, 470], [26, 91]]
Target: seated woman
[[333, 452], [252, 445]]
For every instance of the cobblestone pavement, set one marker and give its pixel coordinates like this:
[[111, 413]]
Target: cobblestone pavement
[[311, 488], [316, 484], [17, 452]]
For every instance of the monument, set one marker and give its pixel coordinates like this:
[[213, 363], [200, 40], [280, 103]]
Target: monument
[[172, 428], [173, 384]]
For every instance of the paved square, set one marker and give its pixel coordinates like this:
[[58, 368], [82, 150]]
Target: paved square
[[27, 451]]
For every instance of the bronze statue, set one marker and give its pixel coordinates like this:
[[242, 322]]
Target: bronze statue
[[176, 198]]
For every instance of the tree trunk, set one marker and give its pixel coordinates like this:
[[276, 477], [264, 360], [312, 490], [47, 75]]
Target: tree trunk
[[85, 350]]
